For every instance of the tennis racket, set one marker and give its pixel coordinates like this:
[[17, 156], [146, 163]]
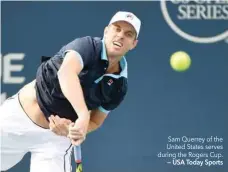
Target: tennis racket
[[78, 158]]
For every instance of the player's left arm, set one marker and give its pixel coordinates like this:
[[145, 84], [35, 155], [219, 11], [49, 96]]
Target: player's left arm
[[60, 126], [97, 118]]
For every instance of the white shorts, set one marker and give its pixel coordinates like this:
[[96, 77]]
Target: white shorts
[[19, 135]]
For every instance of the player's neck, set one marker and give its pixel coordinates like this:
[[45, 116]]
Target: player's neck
[[114, 60], [113, 64]]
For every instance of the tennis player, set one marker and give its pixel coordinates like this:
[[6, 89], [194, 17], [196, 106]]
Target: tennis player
[[82, 83]]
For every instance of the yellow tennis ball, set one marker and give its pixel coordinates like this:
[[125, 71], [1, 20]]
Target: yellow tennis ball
[[180, 61]]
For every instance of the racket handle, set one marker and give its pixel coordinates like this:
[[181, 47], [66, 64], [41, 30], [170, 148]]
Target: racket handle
[[77, 154]]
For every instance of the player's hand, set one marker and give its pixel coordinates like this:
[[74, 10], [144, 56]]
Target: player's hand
[[77, 132], [59, 126]]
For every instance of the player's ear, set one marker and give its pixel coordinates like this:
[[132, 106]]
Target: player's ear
[[105, 30], [134, 44]]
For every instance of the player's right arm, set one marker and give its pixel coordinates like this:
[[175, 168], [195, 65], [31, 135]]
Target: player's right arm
[[77, 54], [71, 88], [70, 84]]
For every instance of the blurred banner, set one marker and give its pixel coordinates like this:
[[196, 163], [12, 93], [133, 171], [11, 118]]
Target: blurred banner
[[169, 121]]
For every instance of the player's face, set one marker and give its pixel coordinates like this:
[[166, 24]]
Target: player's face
[[120, 37]]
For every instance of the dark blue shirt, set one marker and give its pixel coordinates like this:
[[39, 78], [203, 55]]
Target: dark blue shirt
[[102, 91]]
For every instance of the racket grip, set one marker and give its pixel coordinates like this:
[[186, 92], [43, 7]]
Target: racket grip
[[77, 154]]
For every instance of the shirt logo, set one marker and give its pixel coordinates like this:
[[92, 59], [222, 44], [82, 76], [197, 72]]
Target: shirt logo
[[110, 81]]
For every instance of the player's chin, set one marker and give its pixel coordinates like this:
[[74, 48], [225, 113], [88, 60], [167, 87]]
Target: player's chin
[[117, 52]]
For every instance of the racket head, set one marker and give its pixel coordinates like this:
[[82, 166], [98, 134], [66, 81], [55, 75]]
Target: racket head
[[79, 167]]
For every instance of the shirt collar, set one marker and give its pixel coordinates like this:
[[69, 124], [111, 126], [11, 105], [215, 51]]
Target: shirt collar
[[123, 61]]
